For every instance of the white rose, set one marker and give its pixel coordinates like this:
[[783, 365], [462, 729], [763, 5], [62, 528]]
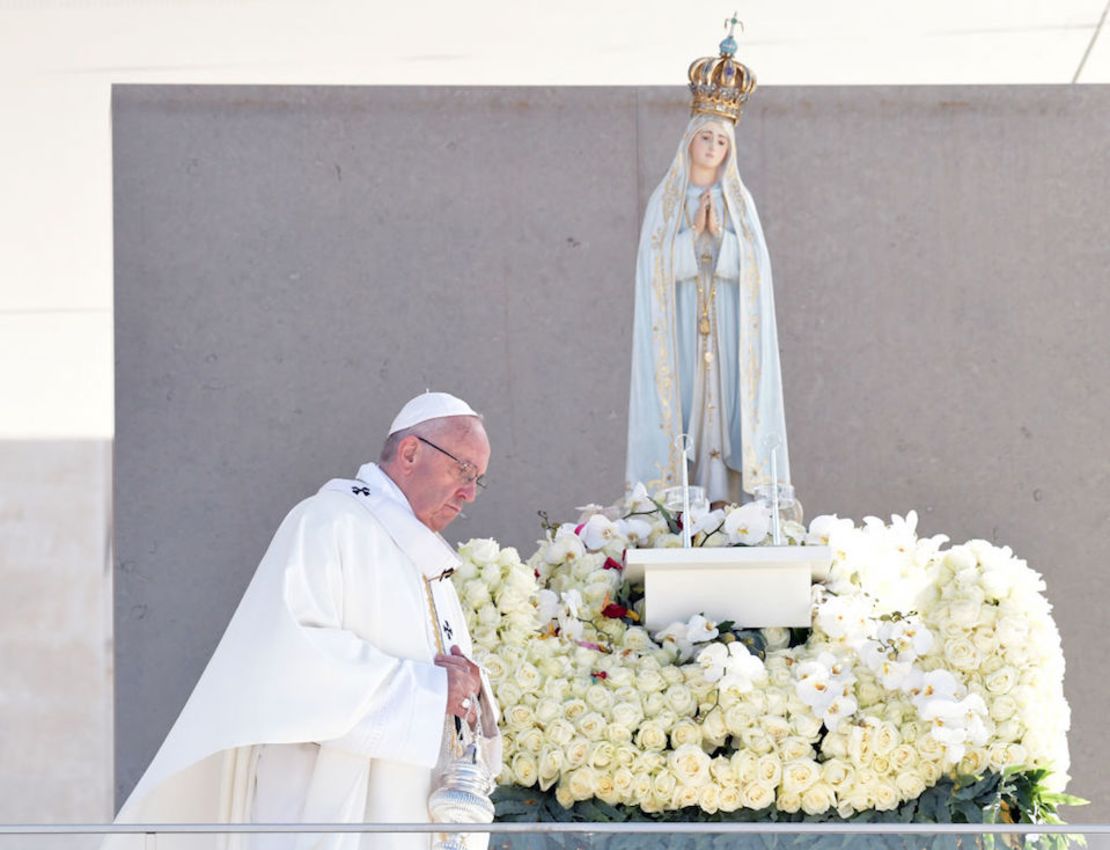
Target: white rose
[[755, 740], [793, 748], [1003, 707], [806, 725], [601, 755], [574, 708], [685, 795], [714, 730], [910, 784], [778, 728], [886, 796], [961, 654], [737, 719], [709, 799], [628, 713], [744, 764], [869, 692], [525, 771], [1001, 681], [756, 795], [559, 732], [508, 693], [642, 788], [617, 734], [974, 762], [681, 699], [654, 703], [488, 615], [623, 783], [1012, 631], [664, 784], [554, 667], [496, 669], [835, 772], [835, 744], [799, 775], [818, 799], [685, 732], [884, 738], [599, 698], [582, 783], [548, 709], [625, 755], [903, 757], [672, 675], [720, 771], [768, 770], [550, 765], [649, 681], [509, 557], [651, 736], [530, 740], [605, 790], [789, 802], [475, 593], [730, 798], [964, 612], [776, 638], [592, 725], [690, 764], [519, 716], [480, 550], [528, 677], [576, 752]]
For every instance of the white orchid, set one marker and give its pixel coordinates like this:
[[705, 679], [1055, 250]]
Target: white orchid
[[684, 636], [923, 688], [823, 529], [600, 532], [706, 522], [639, 501], [731, 666], [748, 524], [636, 530]]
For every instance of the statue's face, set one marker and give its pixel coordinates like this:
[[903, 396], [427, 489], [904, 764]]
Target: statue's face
[[709, 147]]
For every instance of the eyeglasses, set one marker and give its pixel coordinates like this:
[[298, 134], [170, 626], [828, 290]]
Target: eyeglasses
[[467, 470]]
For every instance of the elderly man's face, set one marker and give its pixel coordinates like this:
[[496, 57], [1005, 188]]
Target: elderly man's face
[[436, 486]]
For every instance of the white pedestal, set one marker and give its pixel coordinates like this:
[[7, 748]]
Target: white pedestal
[[755, 587]]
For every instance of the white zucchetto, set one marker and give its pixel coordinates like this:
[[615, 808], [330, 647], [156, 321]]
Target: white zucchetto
[[427, 406]]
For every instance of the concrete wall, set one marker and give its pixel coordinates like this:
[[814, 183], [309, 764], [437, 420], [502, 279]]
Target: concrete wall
[[293, 263]]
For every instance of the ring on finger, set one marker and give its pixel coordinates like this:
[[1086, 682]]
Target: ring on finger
[[465, 704]]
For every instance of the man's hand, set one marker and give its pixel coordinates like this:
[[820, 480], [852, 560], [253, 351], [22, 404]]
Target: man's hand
[[463, 683]]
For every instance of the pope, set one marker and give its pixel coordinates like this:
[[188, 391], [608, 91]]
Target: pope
[[336, 691]]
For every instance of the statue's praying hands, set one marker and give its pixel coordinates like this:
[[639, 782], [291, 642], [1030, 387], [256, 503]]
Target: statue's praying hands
[[706, 217]]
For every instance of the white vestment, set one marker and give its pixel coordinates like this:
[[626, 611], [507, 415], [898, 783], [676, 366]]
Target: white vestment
[[322, 703]]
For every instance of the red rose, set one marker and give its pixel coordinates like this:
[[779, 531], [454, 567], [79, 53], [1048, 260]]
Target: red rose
[[613, 564], [614, 611]]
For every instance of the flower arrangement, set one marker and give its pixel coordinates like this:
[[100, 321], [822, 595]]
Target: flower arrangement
[[928, 670]]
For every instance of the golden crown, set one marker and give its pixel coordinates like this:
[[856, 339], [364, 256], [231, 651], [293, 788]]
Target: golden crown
[[721, 85]]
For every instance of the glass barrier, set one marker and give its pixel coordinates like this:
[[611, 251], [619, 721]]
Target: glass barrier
[[517, 836]]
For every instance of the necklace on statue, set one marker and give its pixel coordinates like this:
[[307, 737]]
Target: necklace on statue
[[705, 259]]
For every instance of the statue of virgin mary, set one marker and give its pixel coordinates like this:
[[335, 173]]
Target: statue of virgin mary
[[705, 358]]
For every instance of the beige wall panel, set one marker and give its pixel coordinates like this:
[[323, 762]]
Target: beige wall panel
[[55, 632]]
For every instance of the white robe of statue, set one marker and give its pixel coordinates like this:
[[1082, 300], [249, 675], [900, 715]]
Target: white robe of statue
[[322, 703]]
